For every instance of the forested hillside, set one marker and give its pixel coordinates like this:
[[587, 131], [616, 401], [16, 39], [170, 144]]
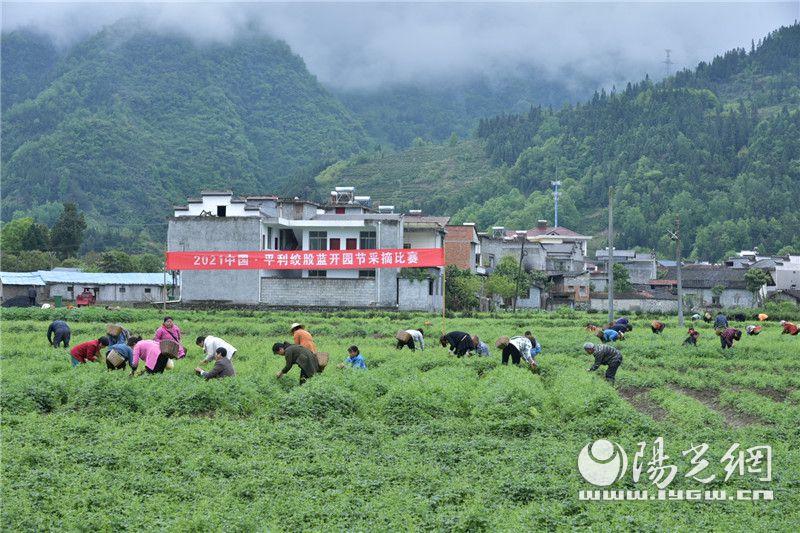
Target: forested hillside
[[128, 122], [718, 145]]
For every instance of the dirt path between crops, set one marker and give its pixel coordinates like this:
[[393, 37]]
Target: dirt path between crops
[[775, 395], [637, 397], [710, 398]]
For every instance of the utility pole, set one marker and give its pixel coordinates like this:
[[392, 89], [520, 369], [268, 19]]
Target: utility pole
[[610, 254], [676, 236], [556, 185], [524, 236]]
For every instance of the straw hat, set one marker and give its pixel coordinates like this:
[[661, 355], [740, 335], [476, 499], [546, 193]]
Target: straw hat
[[502, 342], [296, 325]]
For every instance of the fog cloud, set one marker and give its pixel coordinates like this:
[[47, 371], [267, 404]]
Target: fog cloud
[[359, 45]]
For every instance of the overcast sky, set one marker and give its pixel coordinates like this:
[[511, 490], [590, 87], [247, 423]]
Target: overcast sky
[[361, 45]]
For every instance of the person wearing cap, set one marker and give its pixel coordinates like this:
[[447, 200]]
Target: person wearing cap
[[413, 338], [657, 326], [752, 330], [727, 337], [58, 333], [209, 344], [459, 342], [516, 348], [223, 367], [169, 331], [604, 355], [303, 337], [296, 354], [789, 328], [692, 338]]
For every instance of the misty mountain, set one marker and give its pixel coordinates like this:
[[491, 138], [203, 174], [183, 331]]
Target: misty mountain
[[397, 114], [128, 122], [718, 145]]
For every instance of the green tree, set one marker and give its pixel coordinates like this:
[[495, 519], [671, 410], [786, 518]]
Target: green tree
[[148, 263], [67, 235], [13, 234], [622, 279], [500, 285], [28, 261], [116, 261], [462, 289], [36, 237], [755, 279], [508, 268]]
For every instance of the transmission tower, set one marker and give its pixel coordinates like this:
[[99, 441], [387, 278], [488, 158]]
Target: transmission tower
[[668, 63]]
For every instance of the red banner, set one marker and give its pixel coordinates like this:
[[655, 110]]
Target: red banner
[[306, 259]]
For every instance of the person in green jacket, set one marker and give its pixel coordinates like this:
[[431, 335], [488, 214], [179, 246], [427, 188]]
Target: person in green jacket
[[296, 355]]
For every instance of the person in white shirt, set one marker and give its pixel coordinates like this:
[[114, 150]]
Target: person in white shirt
[[210, 345], [413, 338]]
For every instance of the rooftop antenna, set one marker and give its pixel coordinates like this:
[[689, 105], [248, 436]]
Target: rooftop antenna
[[556, 185], [668, 62]]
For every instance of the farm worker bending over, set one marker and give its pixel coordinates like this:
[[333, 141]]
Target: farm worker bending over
[[354, 359], [622, 321], [117, 333], [619, 328], [696, 317], [210, 344], [789, 328], [303, 337], [169, 331], [459, 342], [721, 321], [517, 348], [727, 337], [296, 355], [609, 335], [223, 367], [692, 338], [753, 330], [413, 338], [87, 351], [536, 347], [121, 353], [604, 355], [482, 349], [657, 327], [155, 361], [762, 316], [58, 332]]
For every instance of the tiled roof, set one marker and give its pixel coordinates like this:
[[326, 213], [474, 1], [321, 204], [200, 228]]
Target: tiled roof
[[709, 276]]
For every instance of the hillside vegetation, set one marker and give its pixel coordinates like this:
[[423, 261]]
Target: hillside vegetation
[[719, 146]]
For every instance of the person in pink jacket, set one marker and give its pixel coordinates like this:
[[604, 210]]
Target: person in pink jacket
[[150, 351], [169, 331]]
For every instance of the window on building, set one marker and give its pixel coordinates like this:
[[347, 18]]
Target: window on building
[[477, 259], [147, 290], [351, 244], [335, 244], [317, 240], [317, 273], [70, 288], [491, 260], [406, 245], [340, 210], [122, 289], [366, 273], [430, 287], [368, 240], [221, 209], [526, 295]]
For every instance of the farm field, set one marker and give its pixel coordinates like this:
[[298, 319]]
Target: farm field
[[419, 441]]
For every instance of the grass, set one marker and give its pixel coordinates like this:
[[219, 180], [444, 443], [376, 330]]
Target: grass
[[419, 441]]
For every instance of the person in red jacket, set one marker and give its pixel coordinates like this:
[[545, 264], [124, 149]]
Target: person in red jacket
[[789, 328], [87, 351]]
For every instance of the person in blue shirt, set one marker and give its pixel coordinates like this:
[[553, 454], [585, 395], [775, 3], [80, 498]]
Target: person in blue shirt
[[609, 335], [125, 351], [354, 359]]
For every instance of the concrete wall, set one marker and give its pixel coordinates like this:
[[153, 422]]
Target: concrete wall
[[534, 301], [415, 295], [12, 291], [787, 276], [110, 293], [729, 297], [534, 258], [641, 272], [213, 233], [210, 204], [320, 292], [637, 304]]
